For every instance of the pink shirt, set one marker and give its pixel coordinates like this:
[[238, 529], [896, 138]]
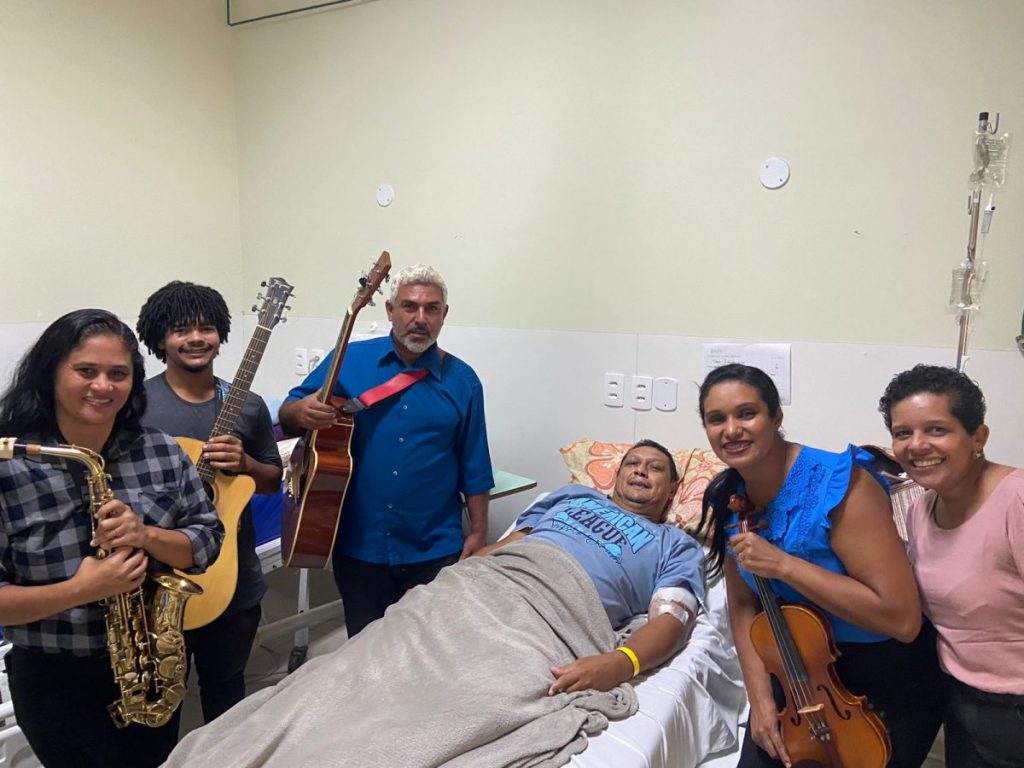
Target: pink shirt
[[972, 586]]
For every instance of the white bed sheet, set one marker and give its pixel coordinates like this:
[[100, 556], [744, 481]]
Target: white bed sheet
[[689, 708]]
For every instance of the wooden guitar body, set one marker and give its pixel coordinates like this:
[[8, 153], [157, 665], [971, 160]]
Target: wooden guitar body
[[858, 736], [321, 462], [314, 492], [229, 494]]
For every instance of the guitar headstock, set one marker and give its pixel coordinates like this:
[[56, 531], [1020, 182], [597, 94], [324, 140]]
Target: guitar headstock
[[367, 285], [275, 302]]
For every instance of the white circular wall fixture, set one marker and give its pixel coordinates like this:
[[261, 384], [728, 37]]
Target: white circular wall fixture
[[385, 195], [774, 173]]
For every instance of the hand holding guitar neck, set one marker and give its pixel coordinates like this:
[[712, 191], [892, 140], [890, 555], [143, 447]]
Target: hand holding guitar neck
[[321, 463]]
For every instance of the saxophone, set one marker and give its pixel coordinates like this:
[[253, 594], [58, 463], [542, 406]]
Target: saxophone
[[144, 635]]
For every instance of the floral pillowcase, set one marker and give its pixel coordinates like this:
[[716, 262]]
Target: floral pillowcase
[[593, 463]]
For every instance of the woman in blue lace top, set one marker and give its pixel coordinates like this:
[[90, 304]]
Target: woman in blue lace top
[[826, 538]]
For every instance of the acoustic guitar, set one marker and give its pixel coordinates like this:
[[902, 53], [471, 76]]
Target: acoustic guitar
[[321, 462], [230, 493]]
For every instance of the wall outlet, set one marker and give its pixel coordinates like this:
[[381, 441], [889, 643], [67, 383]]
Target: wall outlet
[[316, 356], [666, 393], [300, 361], [614, 390], [640, 393]]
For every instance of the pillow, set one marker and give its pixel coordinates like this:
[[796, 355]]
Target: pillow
[[593, 463]]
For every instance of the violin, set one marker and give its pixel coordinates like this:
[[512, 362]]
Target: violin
[[823, 725]]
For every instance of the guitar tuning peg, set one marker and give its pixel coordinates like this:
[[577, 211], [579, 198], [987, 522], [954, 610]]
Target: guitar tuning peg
[[380, 291], [260, 296], [253, 308], [370, 302], [362, 281], [263, 283], [284, 319], [288, 307]]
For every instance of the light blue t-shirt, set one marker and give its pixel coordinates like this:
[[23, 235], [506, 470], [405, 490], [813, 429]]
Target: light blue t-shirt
[[627, 556], [798, 521]]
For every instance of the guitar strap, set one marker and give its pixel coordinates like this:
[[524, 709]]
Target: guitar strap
[[397, 383]]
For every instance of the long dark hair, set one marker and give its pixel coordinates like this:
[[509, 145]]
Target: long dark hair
[[28, 404], [715, 504]]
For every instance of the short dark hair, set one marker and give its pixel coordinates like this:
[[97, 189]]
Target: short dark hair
[[179, 304], [747, 374], [966, 401], [28, 407], [674, 470]]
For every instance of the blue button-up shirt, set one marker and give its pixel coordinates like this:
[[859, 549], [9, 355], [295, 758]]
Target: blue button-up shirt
[[412, 454]]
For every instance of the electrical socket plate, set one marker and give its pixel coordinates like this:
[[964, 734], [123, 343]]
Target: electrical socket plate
[[614, 386], [640, 396], [316, 356], [301, 361]]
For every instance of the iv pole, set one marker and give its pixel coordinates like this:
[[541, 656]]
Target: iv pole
[[989, 172]]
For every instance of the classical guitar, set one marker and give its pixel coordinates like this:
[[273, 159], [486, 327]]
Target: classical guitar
[[823, 724], [321, 463], [230, 493]]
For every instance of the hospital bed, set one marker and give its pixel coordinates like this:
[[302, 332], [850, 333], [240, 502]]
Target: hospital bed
[[689, 709]]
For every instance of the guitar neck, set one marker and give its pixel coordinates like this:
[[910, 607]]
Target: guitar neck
[[327, 387], [231, 409]]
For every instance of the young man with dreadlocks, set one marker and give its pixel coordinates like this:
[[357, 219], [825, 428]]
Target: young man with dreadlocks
[[184, 324]]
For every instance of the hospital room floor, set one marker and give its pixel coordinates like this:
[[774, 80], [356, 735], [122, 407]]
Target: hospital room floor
[[268, 662]]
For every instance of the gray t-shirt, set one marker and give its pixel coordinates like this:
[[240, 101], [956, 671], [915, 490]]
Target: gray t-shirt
[[169, 413]]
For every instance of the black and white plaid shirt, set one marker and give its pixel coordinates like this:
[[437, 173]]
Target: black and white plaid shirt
[[45, 526]]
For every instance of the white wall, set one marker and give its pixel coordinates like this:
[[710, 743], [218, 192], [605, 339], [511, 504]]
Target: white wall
[[543, 390]]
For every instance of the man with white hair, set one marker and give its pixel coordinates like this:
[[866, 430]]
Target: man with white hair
[[416, 453]]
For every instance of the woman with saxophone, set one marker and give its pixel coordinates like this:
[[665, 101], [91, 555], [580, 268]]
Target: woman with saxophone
[[63, 551]]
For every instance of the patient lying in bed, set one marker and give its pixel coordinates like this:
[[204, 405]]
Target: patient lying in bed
[[508, 659]]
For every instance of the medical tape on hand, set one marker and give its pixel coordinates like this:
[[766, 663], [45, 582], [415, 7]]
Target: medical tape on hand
[[677, 601]]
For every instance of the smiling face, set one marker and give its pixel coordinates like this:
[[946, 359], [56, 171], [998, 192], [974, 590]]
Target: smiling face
[[738, 425], [644, 483], [416, 316], [931, 444], [91, 386], [191, 348]]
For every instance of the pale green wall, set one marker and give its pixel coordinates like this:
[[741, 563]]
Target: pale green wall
[[569, 164], [592, 164], [118, 162]]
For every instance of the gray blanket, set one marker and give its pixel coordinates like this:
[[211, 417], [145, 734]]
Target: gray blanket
[[456, 675]]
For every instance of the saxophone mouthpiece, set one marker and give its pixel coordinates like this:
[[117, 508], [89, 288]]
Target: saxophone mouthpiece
[[10, 447]]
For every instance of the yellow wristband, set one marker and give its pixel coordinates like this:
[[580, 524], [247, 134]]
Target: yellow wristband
[[632, 657]]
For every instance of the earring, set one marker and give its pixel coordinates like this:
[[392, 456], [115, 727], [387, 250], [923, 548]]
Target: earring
[[979, 454]]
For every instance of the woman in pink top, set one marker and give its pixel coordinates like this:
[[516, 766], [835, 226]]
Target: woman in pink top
[[966, 544]]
